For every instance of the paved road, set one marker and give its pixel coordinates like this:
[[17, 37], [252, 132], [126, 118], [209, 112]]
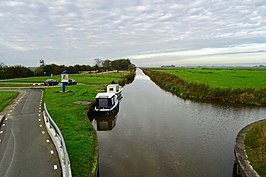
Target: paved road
[[25, 147]]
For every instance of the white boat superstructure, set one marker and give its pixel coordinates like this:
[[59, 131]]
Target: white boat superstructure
[[114, 88], [106, 103]]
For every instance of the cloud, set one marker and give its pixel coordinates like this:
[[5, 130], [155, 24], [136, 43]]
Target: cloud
[[250, 53], [115, 29]]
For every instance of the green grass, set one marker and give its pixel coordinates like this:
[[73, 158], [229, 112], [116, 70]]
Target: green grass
[[214, 85], [6, 98], [40, 79], [14, 85], [99, 77], [71, 118], [80, 78], [234, 78], [255, 145]]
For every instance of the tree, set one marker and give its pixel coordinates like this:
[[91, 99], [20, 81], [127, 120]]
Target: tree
[[14, 72], [99, 62], [107, 64], [121, 64]]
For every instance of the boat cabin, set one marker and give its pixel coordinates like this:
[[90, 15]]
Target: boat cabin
[[106, 101], [114, 88]]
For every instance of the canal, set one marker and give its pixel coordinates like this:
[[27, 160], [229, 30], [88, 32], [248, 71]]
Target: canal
[[157, 134]]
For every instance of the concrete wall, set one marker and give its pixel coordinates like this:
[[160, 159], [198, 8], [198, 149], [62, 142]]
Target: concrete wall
[[243, 167]]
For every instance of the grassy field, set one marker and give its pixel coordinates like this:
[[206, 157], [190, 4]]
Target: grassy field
[[79, 135], [255, 144], [234, 86], [9, 84], [234, 78], [6, 98], [80, 78]]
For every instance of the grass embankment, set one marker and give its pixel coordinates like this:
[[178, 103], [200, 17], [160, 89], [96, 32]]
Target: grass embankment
[[79, 134], [244, 86], [255, 145], [6, 98]]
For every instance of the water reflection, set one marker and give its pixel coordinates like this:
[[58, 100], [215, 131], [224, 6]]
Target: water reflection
[[105, 123]]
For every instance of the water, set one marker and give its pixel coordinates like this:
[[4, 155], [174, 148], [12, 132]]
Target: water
[[158, 134]]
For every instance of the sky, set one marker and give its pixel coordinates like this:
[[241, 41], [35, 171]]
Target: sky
[[148, 32]]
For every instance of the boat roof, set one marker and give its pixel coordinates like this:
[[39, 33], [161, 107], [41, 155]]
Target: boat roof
[[105, 95], [113, 85]]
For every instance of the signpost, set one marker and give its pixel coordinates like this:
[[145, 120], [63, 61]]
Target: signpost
[[64, 80]]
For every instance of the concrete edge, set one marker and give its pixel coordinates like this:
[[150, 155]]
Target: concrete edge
[[243, 165]]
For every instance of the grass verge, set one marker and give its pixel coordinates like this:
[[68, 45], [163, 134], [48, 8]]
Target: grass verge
[[14, 85], [79, 135], [6, 98], [255, 145]]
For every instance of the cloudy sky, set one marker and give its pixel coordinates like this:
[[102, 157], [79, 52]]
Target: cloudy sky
[[149, 32]]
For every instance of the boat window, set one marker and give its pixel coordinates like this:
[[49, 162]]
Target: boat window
[[111, 89], [103, 103]]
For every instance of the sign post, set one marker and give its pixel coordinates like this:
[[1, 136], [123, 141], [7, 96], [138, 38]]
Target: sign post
[[64, 80]]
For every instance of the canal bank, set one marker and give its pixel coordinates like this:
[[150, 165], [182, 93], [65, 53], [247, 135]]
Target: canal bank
[[159, 134], [243, 165]]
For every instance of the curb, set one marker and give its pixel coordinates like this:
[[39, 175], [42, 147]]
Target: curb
[[243, 167]]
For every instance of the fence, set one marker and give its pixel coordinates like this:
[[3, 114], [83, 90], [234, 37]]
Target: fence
[[59, 143]]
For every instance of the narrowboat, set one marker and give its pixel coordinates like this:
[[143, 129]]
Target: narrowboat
[[114, 88], [106, 104]]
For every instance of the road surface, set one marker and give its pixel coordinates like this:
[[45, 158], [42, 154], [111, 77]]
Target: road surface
[[25, 146]]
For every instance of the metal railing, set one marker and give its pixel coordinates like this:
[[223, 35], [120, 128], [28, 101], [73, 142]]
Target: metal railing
[[59, 142]]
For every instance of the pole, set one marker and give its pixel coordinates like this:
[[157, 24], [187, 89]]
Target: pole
[[64, 80], [63, 86]]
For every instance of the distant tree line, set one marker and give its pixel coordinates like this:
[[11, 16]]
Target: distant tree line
[[14, 71], [58, 69], [18, 71], [120, 64]]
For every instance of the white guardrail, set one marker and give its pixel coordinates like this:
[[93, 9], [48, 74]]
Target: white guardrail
[[59, 143]]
